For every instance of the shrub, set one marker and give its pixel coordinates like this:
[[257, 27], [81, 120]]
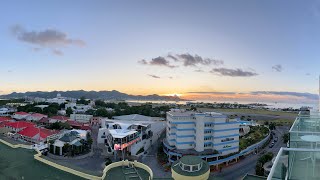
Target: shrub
[[108, 161], [141, 150]]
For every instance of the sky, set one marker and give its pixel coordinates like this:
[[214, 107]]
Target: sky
[[197, 49]]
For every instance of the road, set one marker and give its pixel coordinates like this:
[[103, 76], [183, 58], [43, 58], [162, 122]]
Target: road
[[247, 165], [151, 160]]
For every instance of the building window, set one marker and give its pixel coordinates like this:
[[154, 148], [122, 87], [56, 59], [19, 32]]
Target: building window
[[195, 168], [207, 131], [227, 139], [207, 125], [207, 145], [207, 138], [186, 168]]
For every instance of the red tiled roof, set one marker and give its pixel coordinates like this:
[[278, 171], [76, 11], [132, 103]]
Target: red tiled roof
[[21, 113], [19, 124], [74, 123], [38, 115], [33, 131], [2, 119], [44, 120], [85, 127], [61, 118], [44, 133]]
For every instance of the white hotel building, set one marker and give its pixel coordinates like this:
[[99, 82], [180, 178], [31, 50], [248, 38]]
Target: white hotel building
[[189, 132]]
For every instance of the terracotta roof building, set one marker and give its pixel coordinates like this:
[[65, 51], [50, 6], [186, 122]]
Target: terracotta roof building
[[20, 115], [36, 134], [18, 126], [35, 117]]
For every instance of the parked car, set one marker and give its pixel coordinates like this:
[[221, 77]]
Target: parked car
[[271, 145], [263, 152]]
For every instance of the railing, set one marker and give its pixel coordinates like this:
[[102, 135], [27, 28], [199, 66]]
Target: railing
[[295, 163]]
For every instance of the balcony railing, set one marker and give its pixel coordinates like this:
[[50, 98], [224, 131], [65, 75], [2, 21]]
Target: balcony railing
[[296, 163]]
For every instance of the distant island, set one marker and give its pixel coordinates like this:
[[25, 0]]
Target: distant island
[[105, 95]]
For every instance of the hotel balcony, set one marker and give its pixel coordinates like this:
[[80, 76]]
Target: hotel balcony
[[296, 163], [302, 159], [305, 132]]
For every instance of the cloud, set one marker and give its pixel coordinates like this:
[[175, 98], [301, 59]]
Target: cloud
[[47, 38], [277, 68], [287, 93], [198, 70], [153, 76], [173, 57], [233, 72], [194, 60], [170, 77], [57, 52], [143, 61], [36, 49], [211, 92], [186, 59], [258, 94], [158, 61]]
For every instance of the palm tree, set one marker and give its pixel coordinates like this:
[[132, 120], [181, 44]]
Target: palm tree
[[66, 148]]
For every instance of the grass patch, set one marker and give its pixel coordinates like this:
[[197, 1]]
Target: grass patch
[[256, 134]]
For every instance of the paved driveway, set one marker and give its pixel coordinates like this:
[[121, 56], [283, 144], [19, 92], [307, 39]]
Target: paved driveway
[[151, 160]]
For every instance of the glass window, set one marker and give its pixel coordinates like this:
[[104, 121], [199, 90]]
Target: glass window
[[186, 168], [195, 168]]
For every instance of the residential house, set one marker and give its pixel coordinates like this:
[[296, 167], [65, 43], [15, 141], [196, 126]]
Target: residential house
[[20, 115], [35, 117], [37, 135]]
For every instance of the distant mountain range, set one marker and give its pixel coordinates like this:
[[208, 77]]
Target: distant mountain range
[[106, 95]]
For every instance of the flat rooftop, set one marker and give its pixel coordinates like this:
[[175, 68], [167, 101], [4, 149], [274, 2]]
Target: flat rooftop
[[20, 164], [121, 133]]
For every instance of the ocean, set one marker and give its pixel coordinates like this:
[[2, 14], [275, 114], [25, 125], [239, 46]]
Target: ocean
[[295, 105]]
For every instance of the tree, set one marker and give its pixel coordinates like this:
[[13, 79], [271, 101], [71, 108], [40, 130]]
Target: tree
[[108, 161], [90, 112], [272, 126], [261, 161], [285, 137], [69, 111], [66, 148], [101, 112], [100, 103], [89, 139], [83, 101]]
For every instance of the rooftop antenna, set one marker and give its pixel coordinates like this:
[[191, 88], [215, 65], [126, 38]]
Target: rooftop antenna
[[319, 95]]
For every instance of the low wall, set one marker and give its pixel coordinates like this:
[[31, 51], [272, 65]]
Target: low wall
[[57, 157], [177, 176], [16, 145], [142, 166]]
